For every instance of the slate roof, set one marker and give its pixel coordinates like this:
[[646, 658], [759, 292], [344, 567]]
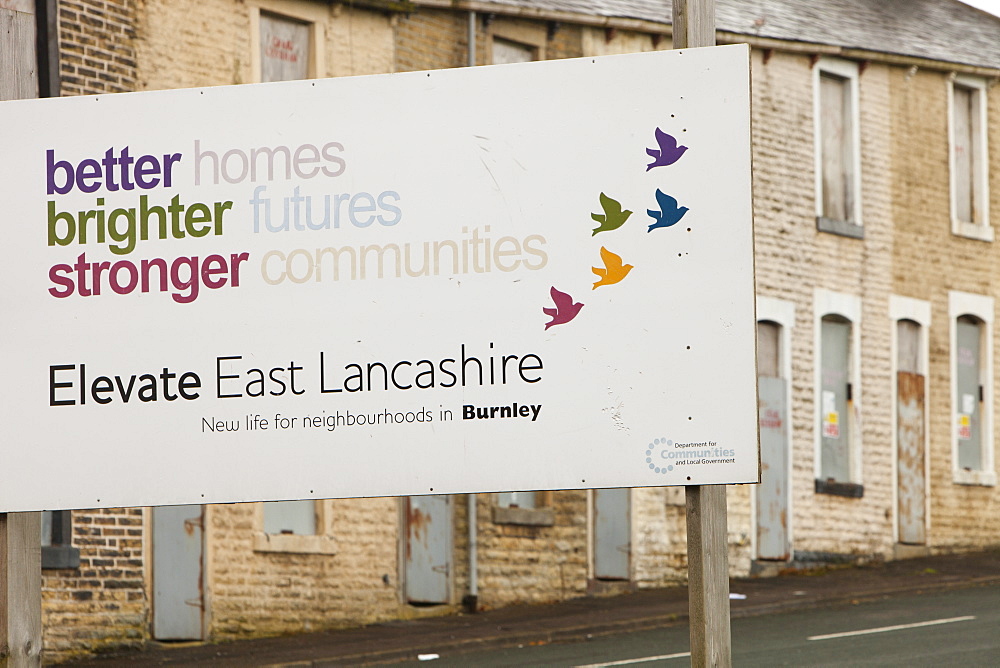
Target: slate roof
[[943, 30]]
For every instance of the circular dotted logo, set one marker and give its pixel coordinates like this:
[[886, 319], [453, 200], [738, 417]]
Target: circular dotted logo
[[653, 455]]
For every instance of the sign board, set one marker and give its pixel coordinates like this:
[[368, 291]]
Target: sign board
[[520, 277]]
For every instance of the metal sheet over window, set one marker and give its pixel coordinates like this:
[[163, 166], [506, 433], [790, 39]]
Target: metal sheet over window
[[516, 500], [295, 517], [834, 404], [968, 387]]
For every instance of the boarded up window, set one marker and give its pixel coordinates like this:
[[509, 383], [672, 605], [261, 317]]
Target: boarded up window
[[290, 517], [836, 147], [505, 51], [966, 142], [835, 399], [969, 392], [768, 334], [908, 342], [284, 48]]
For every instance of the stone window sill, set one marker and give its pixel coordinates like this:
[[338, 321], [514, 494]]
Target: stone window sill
[[851, 490], [293, 543], [969, 477], [843, 228], [972, 230], [60, 556], [534, 517]]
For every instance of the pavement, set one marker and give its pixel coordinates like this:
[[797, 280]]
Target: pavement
[[573, 620]]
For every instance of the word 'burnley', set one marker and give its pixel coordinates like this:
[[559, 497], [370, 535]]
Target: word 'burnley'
[[515, 410]]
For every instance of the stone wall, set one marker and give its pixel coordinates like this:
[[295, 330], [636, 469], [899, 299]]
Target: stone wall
[[522, 562], [930, 261], [258, 589], [793, 259]]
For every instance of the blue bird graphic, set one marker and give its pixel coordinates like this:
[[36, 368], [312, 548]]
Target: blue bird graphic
[[669, 212]]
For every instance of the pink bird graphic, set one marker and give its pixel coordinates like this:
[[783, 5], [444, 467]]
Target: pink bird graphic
[[564, 311]]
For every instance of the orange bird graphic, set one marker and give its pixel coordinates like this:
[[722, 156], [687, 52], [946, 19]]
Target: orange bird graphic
[[613, 271]]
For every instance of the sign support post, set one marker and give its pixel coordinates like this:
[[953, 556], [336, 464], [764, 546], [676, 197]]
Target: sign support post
[[708, 558], [20, 533], [20, 590]]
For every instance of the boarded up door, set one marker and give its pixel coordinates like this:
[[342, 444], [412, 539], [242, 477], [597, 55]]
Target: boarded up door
[[612, 534], [772, 492], [178, 572], [910, 408], [428, 549]]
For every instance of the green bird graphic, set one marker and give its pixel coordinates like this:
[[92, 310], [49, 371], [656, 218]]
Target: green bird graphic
[[613, 216]]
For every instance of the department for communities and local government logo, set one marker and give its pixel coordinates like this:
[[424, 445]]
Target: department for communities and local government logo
[[663, 454], [655, 456]]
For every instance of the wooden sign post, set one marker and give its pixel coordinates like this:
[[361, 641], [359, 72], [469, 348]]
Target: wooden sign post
[[20, 533], [708, 556], [20, 590]]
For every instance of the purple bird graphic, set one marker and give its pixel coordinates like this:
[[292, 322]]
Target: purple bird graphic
[[668, 152], [564, 311]]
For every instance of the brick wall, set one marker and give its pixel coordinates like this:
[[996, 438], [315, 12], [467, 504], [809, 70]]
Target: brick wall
[[103, 603], [97, 46], [360, 42], [430, 39], [601, 42], [193, 43], [189, 43], [438, 39]]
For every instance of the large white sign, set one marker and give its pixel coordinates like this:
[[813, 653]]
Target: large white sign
[[519, 277]]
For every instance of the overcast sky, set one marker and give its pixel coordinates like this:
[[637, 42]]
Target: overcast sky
[[992, 6]]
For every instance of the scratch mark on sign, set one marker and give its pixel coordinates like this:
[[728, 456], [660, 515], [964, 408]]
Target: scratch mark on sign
[[615, 412]]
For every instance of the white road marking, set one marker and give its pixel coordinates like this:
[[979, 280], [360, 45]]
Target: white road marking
[[898, 627], [645, 659]]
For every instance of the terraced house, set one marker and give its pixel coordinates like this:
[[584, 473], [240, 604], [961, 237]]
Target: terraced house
[[876, 127]]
